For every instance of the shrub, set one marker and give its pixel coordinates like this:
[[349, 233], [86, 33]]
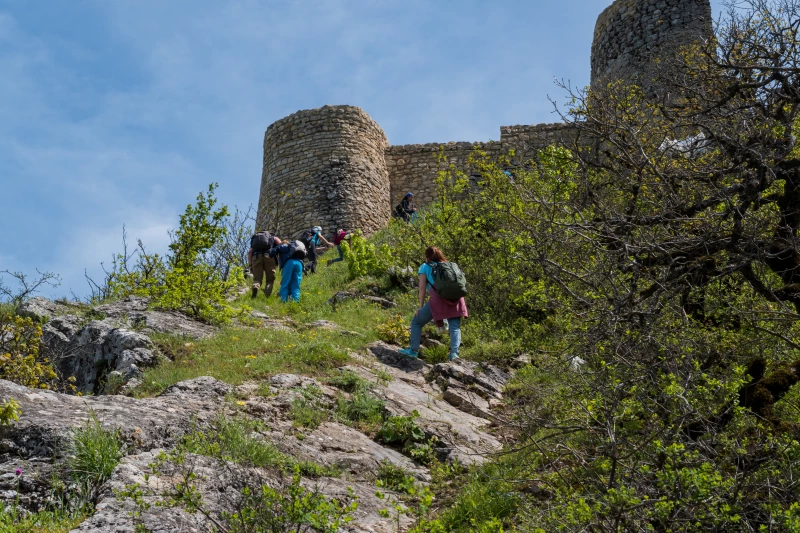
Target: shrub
[[394, 330], [291, 508], [361, 257], [20, 360], [184, 280], [9, 412]]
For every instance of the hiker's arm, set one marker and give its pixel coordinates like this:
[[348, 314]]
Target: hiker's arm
[[250, 258], [423, 284], [323, 239]]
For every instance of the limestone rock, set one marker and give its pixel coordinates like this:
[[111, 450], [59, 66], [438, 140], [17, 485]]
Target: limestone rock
[[144, 423], [460, 434], [42, 309], [342, 296], [133, 312], [91, 352], [215, 484], [334, 444]]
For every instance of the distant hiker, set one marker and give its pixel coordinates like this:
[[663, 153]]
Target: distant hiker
[[405, 209], [290, 258], [446, 302], [261, 264], [311, 239], [338, 238]]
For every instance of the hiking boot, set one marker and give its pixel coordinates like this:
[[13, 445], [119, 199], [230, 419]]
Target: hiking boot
[[254, 292], [453, 356], [408, 352]]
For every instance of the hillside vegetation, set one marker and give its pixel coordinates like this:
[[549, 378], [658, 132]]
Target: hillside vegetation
[[643, 279]]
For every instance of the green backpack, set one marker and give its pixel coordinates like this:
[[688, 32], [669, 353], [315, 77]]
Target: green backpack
[[449, 281]]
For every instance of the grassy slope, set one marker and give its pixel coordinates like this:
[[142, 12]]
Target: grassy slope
[[238, 354]]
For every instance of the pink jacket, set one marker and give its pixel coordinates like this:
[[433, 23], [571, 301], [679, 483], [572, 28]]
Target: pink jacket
[[441, 308]]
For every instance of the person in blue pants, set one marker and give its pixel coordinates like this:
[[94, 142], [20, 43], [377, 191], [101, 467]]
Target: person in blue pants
[[291, 277], [290, 260]]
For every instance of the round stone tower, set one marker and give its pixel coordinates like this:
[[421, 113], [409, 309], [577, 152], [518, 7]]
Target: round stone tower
[[324, 167], [631, 34]]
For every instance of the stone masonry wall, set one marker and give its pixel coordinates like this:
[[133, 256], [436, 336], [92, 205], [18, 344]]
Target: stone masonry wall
[[333, 166], [413, 167], [630, 34], [324, 167]]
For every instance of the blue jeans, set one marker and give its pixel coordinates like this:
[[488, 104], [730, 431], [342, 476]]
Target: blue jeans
[[424, 316], [341, 255]]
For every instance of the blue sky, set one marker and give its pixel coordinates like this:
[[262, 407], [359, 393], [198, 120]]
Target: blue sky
[[120, 112]]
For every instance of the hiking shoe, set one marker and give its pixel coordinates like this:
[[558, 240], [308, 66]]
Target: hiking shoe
[[254, 292], [408, 352], [453, 356]]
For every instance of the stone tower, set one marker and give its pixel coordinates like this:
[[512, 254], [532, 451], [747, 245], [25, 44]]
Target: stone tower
[[631, 34], [324, 167]]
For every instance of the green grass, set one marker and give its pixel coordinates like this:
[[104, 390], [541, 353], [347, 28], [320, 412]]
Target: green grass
[[236, 355], [12, 520], [237, 440], [309, 409]]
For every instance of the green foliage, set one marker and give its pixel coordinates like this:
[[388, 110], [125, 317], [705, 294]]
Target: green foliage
[[9, 412], [347, 381], [293, 508], [403, 431], [362, 408], [394, 330], [309, 409], [183, 280], [241, 441], [436, 354], [92, 453], [20, 360], [15, 520], [361, 257]]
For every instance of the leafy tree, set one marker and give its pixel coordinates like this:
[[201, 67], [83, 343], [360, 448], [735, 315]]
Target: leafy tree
[[183, 280], [651, 264]]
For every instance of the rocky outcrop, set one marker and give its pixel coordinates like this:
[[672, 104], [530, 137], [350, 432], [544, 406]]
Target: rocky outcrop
[[98, 355], [340, 297], [453, 401], [42, 309], [216, 486], [133, 311]]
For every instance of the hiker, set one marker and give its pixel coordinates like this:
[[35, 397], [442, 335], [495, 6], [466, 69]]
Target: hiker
[[447, 306], [405, 209], [338, 238], [311, 238], [290, 259], [261, 264]]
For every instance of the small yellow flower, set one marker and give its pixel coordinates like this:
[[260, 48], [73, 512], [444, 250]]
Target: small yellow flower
[[249, 356], [236, 338], [239, 403]]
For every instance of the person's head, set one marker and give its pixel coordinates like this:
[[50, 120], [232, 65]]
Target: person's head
[[435, 255], [409, 196], [317, 229], [339, 231], [278, 242]]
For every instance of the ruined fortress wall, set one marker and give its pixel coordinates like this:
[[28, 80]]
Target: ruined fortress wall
[[630, 34], [334, 167], [414, 167], [324, 167]]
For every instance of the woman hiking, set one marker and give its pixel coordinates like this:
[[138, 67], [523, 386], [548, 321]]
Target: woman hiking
[[436, 308]]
